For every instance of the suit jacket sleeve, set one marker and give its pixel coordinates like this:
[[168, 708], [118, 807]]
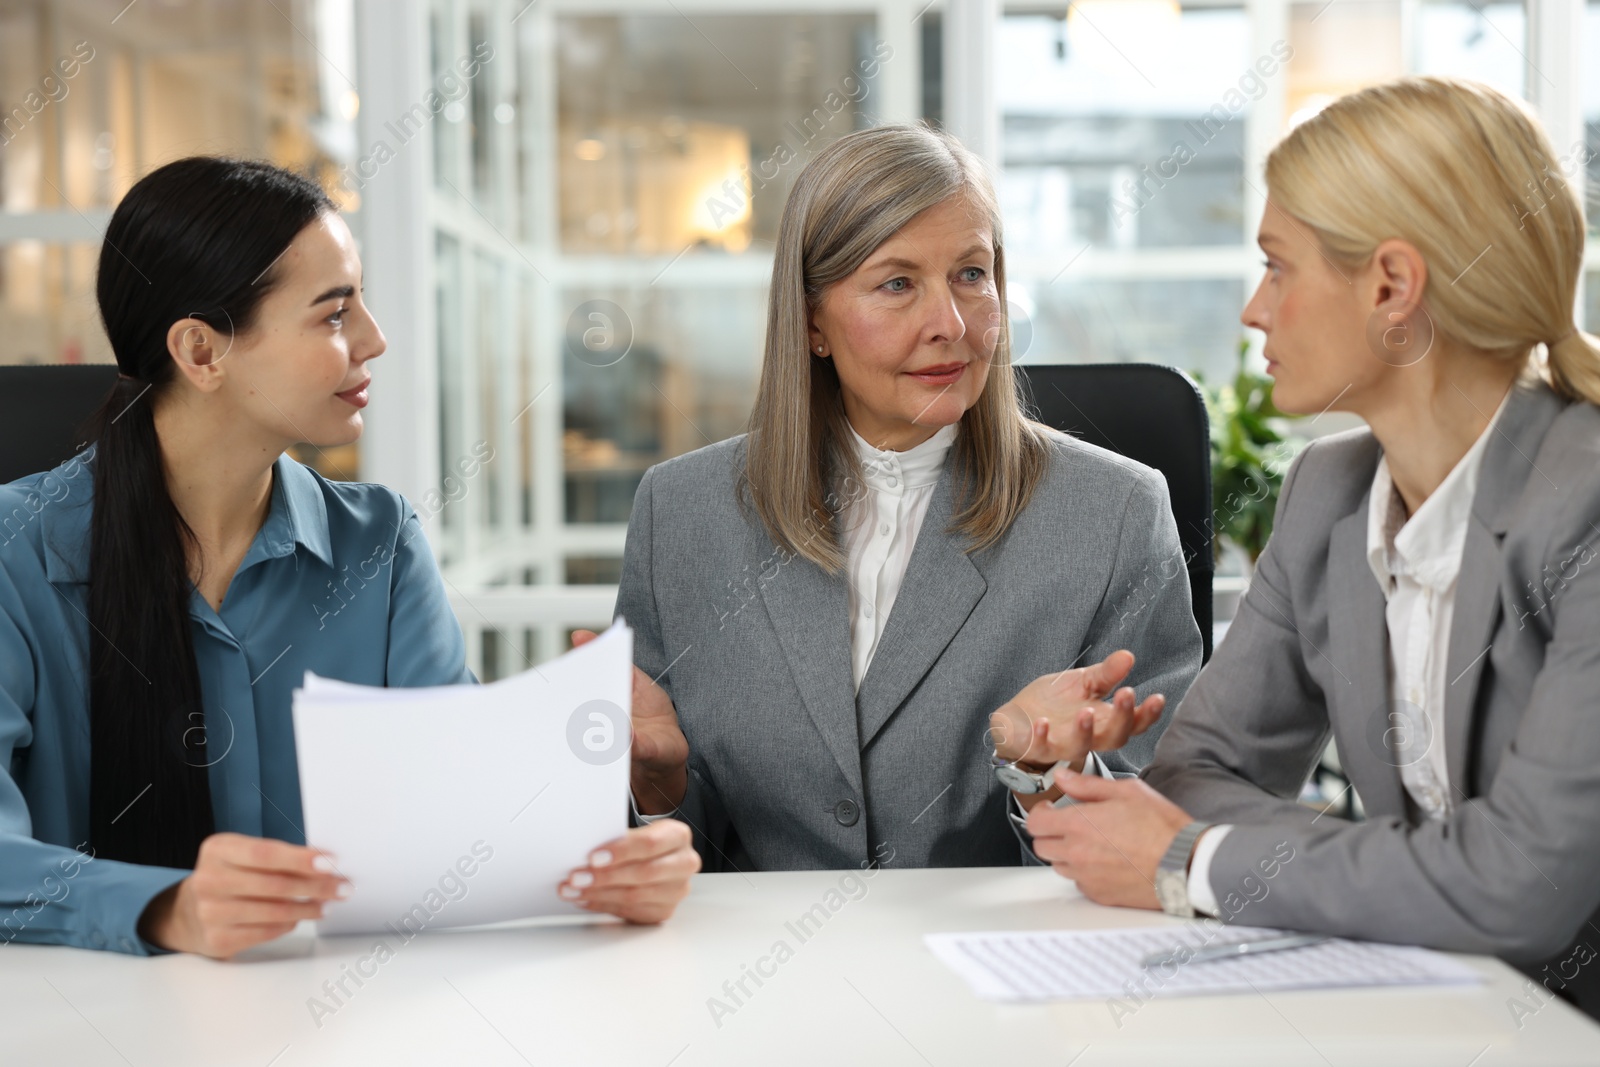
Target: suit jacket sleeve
[[1251, 728], [636, 603]]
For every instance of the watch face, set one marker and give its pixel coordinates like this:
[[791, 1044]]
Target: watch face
[[1016, 779]]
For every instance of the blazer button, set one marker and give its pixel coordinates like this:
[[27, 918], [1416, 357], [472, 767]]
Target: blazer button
[[846, 812]]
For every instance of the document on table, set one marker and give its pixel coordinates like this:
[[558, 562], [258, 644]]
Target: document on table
[[1038, 965], [466, 804]]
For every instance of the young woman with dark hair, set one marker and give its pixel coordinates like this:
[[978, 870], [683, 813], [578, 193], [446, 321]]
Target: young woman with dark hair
[[179, 577]]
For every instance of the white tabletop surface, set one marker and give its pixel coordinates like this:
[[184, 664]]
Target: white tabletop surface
[[861, 989]]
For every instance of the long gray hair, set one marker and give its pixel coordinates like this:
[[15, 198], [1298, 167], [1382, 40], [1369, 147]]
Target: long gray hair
[[852, 197]]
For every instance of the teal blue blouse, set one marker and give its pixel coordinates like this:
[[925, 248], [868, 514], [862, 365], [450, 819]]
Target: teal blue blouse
[[340, 580]]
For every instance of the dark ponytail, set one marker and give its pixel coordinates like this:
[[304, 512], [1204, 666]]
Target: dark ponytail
[[197, 238]]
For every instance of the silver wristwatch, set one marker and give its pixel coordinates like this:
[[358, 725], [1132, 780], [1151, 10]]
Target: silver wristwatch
[[1172, 876], [1014, 778]]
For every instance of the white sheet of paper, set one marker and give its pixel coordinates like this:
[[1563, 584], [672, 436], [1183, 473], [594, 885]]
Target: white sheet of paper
[[466, 804], [1036, 965]]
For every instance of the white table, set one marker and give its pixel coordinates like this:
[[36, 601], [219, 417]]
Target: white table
[[862, 988]]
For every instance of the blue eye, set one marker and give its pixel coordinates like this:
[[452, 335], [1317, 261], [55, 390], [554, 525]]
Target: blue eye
[[979, 271], [894, 282]]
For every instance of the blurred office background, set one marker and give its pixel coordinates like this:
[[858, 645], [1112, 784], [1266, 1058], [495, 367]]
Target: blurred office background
[[567, 207]]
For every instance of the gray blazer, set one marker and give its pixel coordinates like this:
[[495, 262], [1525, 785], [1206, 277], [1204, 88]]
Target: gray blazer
[[790, 766], [1515, 870]]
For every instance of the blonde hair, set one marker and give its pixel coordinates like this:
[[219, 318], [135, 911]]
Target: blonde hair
[[1464, 173], [800, 463]]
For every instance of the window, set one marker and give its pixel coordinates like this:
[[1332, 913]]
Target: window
[[671, 153], [1123, 141], [89, 103]]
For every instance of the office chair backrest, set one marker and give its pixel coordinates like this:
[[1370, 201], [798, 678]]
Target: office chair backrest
[[1152, 414], [44, 413]]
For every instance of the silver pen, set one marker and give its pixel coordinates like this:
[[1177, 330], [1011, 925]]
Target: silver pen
[[1233, 949]]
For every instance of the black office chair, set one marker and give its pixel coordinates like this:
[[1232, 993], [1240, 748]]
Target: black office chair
[[1152, 414], [44, 413]]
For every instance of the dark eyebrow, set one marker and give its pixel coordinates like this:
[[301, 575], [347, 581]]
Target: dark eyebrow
[[338, 292]]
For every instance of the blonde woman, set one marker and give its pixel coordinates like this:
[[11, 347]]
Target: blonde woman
[[1431, 595], [830, 608]]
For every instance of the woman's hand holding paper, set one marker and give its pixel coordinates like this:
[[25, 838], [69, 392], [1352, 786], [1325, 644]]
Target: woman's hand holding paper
[[244, 890], [640, 877]]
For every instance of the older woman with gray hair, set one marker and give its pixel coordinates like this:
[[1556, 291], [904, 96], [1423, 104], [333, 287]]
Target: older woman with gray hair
[[896, 603]]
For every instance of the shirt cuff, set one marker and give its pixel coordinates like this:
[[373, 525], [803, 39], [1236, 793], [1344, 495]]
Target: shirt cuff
[[642, 819], [1201, 896], [121, 896]]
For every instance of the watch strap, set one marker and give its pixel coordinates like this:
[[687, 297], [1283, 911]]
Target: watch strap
[[1172, 874], [1182, 847]]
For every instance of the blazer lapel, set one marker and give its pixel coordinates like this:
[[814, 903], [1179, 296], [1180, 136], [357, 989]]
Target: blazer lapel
[[1507, 473], [1472, 626], [810, 612], [940, 588], [1358, 639]]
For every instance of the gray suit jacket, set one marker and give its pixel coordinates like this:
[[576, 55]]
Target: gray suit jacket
[[1515, 870], [790, 766]]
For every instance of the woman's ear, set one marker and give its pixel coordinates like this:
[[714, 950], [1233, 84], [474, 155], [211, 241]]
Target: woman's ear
[[819, 346], [1400, 276], [194, 347], [1399, 328]]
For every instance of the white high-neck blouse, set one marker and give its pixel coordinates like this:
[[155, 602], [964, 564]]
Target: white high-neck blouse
[[880, 530]]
